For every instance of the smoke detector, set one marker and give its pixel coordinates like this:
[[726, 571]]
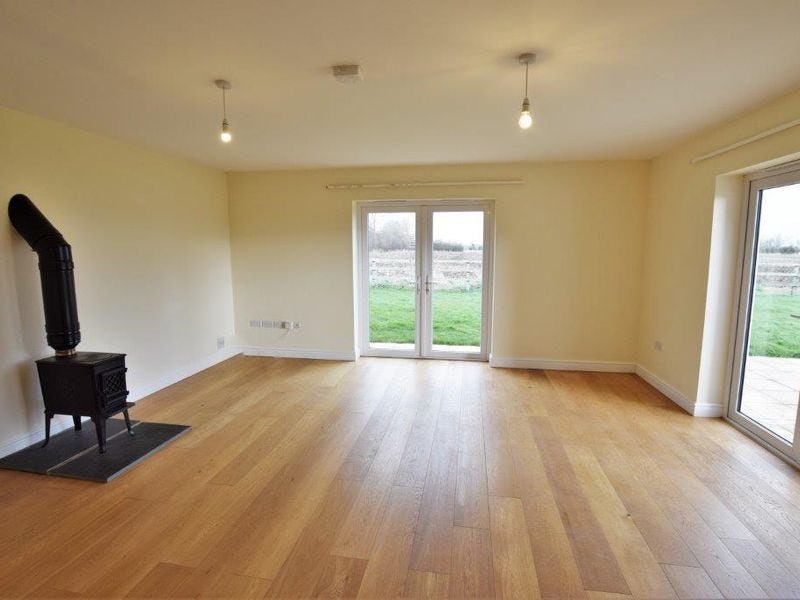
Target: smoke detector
[[347, 73]]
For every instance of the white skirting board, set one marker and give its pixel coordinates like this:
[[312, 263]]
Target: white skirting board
[[693, 408], [562, 365], [348, 355], [61, 422], [183, 372], [697, 410]]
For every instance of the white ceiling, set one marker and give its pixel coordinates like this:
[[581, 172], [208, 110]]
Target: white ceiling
[[617, 78]]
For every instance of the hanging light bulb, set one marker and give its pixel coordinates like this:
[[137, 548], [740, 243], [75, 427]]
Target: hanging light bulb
[[225, 133], [525, 117]]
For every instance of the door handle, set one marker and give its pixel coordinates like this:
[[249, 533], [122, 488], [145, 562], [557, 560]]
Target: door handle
[[427, 285]]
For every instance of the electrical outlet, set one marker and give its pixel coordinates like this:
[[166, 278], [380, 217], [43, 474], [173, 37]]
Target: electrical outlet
[[273, 324], [658, 346], [220, 343]]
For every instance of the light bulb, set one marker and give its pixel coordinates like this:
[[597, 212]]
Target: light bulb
[[525, 118], [225, 135]]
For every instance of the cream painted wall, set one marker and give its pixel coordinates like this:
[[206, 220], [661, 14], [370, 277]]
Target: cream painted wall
[[150, 242], [581, 248], [678, 250], [567, 262]]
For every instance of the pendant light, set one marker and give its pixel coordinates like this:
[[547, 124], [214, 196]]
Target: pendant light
[[525, 118], [224, 133]]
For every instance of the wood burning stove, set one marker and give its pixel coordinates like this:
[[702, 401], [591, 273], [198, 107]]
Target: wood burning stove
[[89, 384], [80, 384]]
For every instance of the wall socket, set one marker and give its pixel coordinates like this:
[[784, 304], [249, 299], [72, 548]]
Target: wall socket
[[275, 324], [658, 345], [220, 343]]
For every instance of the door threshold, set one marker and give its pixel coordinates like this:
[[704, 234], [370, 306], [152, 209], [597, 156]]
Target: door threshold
[[763, 443], [459, 358]]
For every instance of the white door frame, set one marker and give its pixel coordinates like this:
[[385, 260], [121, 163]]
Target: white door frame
[[424, 210], [755, 184]]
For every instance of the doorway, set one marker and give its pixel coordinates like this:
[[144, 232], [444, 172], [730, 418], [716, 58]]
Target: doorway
[[765, 387], [426, 279]]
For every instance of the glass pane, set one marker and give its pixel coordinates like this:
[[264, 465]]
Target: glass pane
[[392, 243], [771, 385], [456, 292]]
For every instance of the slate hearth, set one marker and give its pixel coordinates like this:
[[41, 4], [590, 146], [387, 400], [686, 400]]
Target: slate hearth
[[75, 453]]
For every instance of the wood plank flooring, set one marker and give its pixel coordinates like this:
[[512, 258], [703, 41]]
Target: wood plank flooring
[[401, 478]]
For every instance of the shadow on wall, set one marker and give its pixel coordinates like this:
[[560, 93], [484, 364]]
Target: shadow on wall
[[26, 287]]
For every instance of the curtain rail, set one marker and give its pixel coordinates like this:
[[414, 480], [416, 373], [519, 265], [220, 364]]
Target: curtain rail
[[408, 184], [745, 141]]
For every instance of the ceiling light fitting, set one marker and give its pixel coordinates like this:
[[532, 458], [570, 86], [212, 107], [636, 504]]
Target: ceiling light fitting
[[525, 118], [224, 133]]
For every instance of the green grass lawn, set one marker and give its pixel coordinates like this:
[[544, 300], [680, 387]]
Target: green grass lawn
[[456, 316], [457, 320], [773, 331]]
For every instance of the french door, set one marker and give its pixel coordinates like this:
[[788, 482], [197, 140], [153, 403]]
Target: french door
[[425, 279], [765, 387]]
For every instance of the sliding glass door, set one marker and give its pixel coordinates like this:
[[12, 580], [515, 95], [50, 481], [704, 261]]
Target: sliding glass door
[[765, 390], [425, 279]]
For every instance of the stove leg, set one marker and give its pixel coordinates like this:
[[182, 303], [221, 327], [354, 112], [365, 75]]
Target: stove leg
[[128, 422], [77, 422], [47, 416], [100, 426]]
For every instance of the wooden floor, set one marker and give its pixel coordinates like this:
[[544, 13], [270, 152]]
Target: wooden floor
[[391, 477]]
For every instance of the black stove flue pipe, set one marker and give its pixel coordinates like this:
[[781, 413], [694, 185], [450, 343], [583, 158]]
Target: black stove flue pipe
[[56, 271]]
